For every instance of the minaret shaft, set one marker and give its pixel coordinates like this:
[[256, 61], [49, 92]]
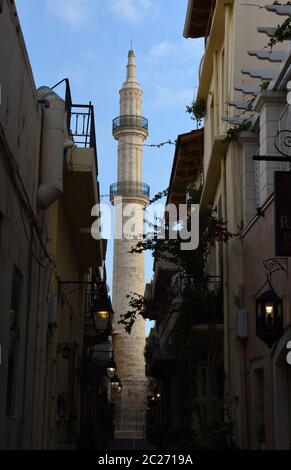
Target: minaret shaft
[[130, 129]]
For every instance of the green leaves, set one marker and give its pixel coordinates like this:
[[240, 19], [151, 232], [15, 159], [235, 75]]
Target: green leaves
[[283, 31], [233, 133], [193, 264], [198, 111]]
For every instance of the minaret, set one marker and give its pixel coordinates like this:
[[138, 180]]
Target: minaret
[[130, 129]]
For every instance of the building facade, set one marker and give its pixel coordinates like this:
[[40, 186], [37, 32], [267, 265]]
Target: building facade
[[245, 106], [129, 195], [48, 179], [184, 367]]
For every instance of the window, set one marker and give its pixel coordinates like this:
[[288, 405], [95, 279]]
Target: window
[[13, 341]]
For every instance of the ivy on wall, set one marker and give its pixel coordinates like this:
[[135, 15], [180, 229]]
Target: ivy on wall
[[197, 110]]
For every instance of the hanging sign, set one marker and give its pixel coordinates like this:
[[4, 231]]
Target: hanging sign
[[283, 213]]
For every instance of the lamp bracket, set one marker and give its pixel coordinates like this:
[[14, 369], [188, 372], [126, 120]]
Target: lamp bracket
[[282, 143], [273, 265], [97, 284]]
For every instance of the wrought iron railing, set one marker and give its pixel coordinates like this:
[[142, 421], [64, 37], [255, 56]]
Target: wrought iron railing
[[80, 121], [89, 296], [209, 310], [130, 188], [82, 127], [136, 122], [207, 306]]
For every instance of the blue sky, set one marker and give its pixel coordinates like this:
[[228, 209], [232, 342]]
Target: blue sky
[[88, 41]]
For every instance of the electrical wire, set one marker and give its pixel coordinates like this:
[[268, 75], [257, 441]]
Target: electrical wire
[[30, 243], [17, 182], [161, 144]]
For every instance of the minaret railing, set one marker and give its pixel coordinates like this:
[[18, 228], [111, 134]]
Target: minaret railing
[[130, 188], [131, 122]]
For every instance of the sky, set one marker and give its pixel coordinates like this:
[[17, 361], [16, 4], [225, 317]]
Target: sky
[[87, 41]]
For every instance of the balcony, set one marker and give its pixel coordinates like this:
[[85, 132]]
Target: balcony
[[159, 362], [208, 307], [130, 188], [137, 123], [81, 171]]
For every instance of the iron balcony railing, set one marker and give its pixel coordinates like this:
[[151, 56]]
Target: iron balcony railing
[[130, 188], [208, 308], [80, 121], [132, 122], [82, 127]]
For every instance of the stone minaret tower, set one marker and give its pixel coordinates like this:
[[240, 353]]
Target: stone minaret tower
[[130, 129]]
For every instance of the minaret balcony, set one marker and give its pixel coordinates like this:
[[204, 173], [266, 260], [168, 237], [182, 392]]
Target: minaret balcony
[[130, 188], [137, 123]]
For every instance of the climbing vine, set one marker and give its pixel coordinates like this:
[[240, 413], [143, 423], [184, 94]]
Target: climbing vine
[[283, 30], [211, 230], [198, 296], [233, 133], [264, 85], [197, 109]]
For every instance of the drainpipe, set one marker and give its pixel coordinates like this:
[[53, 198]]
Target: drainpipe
[[30, 317], [225, 287], [52, 148]]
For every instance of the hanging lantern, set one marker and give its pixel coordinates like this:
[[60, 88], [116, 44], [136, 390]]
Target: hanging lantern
[[115, 381], [111, 368], [269, 317], [102, 311]]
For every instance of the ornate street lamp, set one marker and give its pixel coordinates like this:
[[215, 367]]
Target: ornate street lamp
[[102, 311], [101, 308], [111, 368], [269, 306], [116, 383], [269, 317]]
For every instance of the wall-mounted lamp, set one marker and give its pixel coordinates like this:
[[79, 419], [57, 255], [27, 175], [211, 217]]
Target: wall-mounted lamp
[[269, 306], [111, 368], [101, 308]]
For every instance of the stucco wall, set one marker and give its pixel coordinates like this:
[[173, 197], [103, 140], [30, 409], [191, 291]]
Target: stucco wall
[[259, 245], [20, 121]]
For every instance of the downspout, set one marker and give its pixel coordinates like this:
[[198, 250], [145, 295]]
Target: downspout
[[225, 218], [52, 148], [225, 289], [30, 309]]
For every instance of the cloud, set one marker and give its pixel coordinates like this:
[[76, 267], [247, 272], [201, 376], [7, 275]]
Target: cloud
[[75, 13], [131, 10], [166, 98], [160, 49], [183, 50]]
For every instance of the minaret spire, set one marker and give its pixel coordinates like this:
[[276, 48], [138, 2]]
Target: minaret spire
[[130, 129], [131, 80]]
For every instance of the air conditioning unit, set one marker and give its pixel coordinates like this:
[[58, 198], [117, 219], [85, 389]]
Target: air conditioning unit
[[242, 324]]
